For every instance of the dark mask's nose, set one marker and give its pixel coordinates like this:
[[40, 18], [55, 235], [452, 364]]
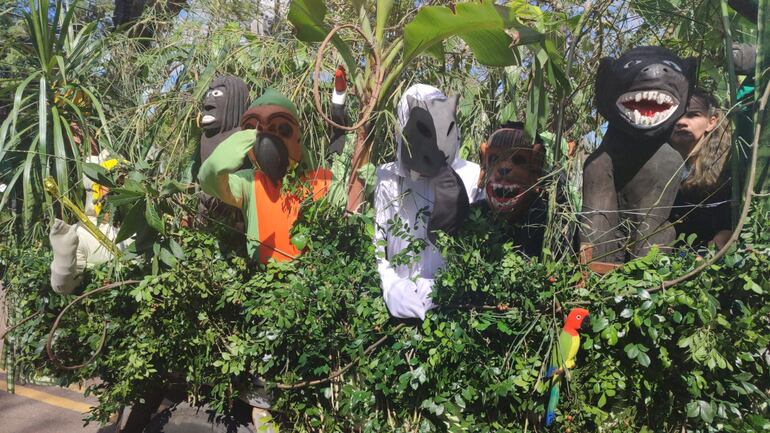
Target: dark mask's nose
[[503, 171], [655, 71], [272, 156]]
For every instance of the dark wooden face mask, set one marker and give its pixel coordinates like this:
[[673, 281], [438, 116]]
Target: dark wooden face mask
[[226, 100]]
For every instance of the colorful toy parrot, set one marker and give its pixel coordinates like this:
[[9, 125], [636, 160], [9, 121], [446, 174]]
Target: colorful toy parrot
[[563, 358]]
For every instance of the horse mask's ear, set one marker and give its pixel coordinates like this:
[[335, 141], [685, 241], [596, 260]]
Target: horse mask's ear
[[690, 70], [483, 149], [602, 86]]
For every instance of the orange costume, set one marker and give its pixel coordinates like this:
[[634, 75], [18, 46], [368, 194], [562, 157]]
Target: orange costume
[[277, 212]]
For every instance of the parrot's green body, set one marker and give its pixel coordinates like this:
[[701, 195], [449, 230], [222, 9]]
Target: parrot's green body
[[563, 358]]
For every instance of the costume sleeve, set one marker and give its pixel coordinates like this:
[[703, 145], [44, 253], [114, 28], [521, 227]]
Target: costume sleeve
[[216, 175], [337, 136], [400, 294], [66, 269]]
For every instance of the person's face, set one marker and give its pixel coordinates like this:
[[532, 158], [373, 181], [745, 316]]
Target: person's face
[[692, 127]]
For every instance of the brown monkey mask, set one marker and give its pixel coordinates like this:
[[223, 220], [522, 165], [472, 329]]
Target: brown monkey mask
[[277, 148], [510, 170]]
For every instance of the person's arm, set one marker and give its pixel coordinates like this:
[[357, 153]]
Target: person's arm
[[66, 269], [339, 114], [216, 175], [400, 294]]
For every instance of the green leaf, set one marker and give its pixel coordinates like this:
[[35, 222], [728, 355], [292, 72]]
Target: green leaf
[[176, 249], [677, 317], [42, 108], [602, 400], [483, 26], [152, 217], [60, 150], [706, 411], [133, 221], [599, 323], [692, 409], [167, 257], [383, 13], [751, 285], [631, 350], [172, 187], [702, 409], [97, 173], [122, 196], [299, 241], [536, 99], [307, 16], [502, 327]]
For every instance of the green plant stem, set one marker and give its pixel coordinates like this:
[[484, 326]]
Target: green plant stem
[[732, 83], [55, 326], [762, 78], [339, 372]]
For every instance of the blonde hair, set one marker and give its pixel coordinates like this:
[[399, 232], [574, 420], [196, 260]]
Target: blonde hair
[[708, 158]]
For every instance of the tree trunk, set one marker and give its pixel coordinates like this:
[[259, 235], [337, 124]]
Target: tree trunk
[[357, 186]]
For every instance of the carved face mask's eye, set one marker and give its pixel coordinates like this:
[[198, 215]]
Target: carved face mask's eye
[[285, 130], [424, 130], [492, 160], [631, 63], [518, 159], [215, 93], [673, 65]]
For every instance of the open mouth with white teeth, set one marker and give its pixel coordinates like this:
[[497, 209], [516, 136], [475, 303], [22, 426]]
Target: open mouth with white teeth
[[505, 196], [647, 108]]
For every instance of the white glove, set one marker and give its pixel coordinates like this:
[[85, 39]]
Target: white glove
[[424, 291], [403, 301]]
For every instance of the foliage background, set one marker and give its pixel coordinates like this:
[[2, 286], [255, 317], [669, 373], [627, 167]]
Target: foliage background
[[688, 358]]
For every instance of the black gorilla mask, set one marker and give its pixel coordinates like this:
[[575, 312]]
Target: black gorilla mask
[[644, 91], [223, 105]]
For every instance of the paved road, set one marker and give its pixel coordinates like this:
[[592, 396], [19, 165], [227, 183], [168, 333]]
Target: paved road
[[44, 409]]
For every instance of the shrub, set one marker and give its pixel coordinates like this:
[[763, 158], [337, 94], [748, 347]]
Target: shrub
[[690, 356]]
